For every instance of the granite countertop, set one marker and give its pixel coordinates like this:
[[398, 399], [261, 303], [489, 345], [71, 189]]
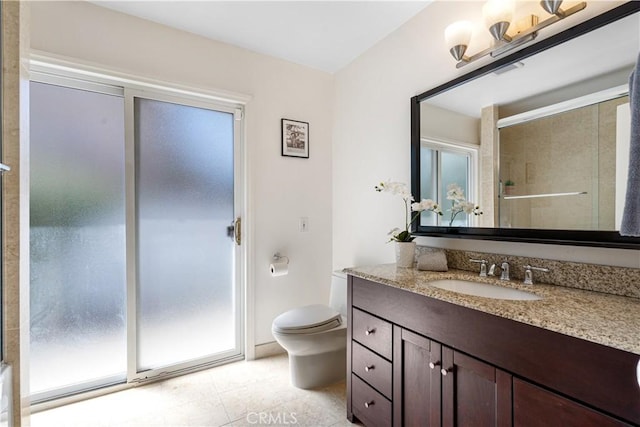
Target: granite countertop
[[606, 319]]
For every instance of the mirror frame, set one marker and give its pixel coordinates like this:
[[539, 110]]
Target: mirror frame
[[610, 239]]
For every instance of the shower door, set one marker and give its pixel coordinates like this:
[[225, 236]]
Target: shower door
[[183, 292]]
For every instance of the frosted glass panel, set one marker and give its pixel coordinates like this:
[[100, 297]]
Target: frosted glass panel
[[77, 238], [455, 170], [185, 259], [428, 182]]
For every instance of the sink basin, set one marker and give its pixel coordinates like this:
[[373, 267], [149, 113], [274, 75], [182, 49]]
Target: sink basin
[[479, 289]]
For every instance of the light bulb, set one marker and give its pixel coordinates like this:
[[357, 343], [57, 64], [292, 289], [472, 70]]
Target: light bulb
[[457, 37], [497, 16]]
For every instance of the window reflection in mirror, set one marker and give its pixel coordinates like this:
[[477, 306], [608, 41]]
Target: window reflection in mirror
[[562, 169], [446, 163]]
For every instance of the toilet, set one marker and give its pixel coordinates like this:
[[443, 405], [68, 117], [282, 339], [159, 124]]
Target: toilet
[[315, 336]]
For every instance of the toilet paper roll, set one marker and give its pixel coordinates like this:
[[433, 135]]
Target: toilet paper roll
[[279, 269]]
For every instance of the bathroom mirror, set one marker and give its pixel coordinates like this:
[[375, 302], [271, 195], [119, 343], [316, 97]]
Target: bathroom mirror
[[483, 109]]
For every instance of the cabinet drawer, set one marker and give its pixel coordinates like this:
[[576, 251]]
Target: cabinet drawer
[[372, 368], [372, 332], [372, 408]]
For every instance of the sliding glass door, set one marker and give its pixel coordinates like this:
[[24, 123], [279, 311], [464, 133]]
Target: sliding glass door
[[133, 272], [186, 300]]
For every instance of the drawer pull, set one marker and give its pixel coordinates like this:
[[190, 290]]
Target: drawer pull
[[369, 331], [368, 368], [368, 404], [433, 365], [444, 372]]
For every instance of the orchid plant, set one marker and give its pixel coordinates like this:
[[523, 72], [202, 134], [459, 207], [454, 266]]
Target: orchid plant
[[412, 209], [459, 203]]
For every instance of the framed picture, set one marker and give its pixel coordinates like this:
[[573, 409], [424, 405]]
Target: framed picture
[[295, 138]]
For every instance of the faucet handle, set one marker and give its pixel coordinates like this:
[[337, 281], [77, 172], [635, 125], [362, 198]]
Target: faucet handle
[[505, 271], [528, 274], [483, 266], [492, 270]]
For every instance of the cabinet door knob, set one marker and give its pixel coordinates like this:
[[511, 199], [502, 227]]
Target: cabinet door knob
[[433, 365], [368, 368], [368, 404], [444, 372], [369, 331]]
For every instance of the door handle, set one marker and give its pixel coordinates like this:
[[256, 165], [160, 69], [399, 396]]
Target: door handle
[[237, 226], [234, 231]]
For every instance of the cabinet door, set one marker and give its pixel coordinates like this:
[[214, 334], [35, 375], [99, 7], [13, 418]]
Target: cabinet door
[[474, 393], [534, 406], [416, 380]]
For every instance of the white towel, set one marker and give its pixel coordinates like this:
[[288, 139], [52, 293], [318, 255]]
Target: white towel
[[433, 261]]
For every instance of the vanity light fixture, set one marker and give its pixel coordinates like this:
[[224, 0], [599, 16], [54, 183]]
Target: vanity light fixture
[[498, 16]]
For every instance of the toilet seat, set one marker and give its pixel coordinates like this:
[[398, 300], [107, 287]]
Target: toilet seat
[[307, 320]]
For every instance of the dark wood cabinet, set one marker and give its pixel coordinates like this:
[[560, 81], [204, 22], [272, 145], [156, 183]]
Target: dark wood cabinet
[[551, 409], [417, 380], [417, 361], [369, 406], [474, 393], [370, 352], [436, 385], [373, 369]]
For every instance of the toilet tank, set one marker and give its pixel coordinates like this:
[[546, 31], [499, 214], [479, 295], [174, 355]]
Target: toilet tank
[[338, 293]]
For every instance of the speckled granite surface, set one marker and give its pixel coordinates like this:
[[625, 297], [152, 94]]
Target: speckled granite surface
[[606, 319], [592, 277]]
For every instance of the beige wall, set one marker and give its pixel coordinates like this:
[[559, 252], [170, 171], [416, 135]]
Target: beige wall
[[447, 125]]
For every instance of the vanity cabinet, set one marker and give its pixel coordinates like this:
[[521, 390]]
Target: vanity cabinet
[[419, 361], [440, 386]]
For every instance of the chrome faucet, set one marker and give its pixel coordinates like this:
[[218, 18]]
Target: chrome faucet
[[528, 275], [505, 271], [483, 266]]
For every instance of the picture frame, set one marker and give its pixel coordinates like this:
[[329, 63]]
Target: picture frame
[[295, 138]]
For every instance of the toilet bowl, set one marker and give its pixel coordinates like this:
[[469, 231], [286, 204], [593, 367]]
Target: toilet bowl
[[315, 336]]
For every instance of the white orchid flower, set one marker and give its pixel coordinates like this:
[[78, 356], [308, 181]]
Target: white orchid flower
[[402, 190]]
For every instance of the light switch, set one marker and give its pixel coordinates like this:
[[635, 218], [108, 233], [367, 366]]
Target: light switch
[[304, 224]]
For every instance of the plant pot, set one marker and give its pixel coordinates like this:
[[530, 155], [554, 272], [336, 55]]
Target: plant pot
[[405, 254], [509, 189]]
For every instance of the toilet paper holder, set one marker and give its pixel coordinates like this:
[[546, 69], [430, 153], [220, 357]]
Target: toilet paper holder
[[277, 257], [279, 267]]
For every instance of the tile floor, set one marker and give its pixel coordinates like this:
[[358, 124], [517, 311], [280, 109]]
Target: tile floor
[[238, 394]]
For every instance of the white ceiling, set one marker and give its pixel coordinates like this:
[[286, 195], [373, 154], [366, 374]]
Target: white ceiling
[[325, 35]]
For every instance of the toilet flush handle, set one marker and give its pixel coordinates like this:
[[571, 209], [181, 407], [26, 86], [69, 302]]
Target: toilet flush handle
[[369, 331]]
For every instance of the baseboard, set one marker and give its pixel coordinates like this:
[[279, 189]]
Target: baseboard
[[268, 349]]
